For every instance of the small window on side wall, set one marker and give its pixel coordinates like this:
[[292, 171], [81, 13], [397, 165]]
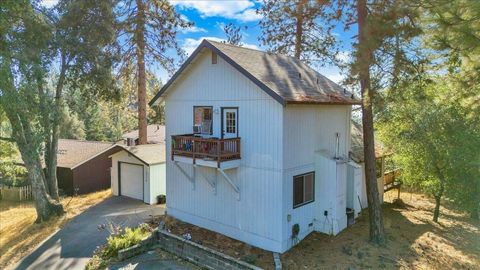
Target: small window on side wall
[[303, 189], [202, 119]]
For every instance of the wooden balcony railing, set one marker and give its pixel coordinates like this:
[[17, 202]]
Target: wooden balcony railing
[[209, 149], [391, 179]]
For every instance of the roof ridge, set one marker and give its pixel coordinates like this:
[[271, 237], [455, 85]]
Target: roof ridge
[[271, 53], [80, 140], [251, 49]]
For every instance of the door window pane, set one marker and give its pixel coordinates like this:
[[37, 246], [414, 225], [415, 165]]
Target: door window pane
[[231, 122]]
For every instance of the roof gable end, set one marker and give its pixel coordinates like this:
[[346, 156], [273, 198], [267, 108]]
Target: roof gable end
[[285, 79]]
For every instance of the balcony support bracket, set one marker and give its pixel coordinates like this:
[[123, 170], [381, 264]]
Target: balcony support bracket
[[190, 178], [227, 178], [211, 182]]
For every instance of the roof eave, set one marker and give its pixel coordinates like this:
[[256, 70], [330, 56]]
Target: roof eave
[[312, 102], [206, 44]]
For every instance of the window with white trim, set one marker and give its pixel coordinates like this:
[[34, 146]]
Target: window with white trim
[[303, 189], [202, 119]]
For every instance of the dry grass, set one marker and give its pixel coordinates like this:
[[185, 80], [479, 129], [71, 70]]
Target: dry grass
[[414, 241], [19, 235]]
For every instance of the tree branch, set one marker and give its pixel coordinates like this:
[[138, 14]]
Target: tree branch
[[7, 139]]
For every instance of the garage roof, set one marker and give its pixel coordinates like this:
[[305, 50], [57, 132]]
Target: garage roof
[[149, 154], [72, 153], [155, 134]]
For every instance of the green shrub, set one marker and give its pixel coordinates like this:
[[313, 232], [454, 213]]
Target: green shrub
[[129, 238], [117, 241]]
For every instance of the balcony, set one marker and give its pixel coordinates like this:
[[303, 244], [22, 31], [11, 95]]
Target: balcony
[[209, 152]]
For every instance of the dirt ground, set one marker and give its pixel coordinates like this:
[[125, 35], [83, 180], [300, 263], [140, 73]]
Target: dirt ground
[[18, 232], [222, 243], [414, 241]]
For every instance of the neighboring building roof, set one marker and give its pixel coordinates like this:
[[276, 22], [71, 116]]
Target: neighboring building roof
[[357, 144], [286, 79], [72, 153], [147, 153], [155, 134]]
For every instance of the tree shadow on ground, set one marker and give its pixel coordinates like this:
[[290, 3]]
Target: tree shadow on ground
[[413, 241], [74, 244]]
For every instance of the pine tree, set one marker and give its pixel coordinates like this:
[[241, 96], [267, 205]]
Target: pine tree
[[72, 37], [146, 30], [233, 34], [296, 28]]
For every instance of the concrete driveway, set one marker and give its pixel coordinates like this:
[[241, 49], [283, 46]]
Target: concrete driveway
[[73, 245]]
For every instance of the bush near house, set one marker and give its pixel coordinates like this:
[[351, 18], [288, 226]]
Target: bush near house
[[118, 240]]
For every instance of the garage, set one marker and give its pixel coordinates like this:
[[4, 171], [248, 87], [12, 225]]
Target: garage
[[131, 180], [138, 172]]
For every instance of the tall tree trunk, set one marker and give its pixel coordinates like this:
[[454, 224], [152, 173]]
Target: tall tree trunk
[[45, 109], [438, 198], [365, 58], [299, 28], [21, 131], [55, 133], [475, 213], [141, 76], [436, 211], [44, 205]]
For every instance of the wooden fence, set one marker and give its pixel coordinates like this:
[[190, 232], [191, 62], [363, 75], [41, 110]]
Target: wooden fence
[[16, 193]]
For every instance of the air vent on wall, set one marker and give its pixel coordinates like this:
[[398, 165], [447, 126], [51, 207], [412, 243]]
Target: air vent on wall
[[214, 58]]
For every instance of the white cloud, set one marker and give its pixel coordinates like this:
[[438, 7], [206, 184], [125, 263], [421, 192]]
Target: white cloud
[[190, 44], [332, 72], [344, 56], [193, 29], [248, 15], [48, 3], [242, 10]]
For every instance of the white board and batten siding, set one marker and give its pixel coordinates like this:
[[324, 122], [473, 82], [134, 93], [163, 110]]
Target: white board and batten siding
[[153, 177], [309, 130], [254, 218]]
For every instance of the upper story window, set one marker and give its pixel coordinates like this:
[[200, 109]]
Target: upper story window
[[303, 189], [202, 119]]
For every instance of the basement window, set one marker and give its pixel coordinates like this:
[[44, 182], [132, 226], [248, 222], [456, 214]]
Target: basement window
[[303, 189], [202, 119]]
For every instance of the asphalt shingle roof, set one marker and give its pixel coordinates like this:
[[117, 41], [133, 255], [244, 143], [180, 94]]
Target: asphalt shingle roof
[[155, 134], [357, 143], [148, 153], [285, 78], [74, 152]]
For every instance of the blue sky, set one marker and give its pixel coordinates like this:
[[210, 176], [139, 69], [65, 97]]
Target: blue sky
[[209, 17]]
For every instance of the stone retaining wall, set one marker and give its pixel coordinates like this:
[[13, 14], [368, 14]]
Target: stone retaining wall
[[139, 248], [198, 254]]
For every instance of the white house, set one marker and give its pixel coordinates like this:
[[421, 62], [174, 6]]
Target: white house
[[139, 172], [357, 161], [257, 146]]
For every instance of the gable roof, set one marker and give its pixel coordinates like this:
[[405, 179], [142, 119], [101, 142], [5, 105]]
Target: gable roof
[[356, 150], [155, 134], [149, 154], [72, 153], [286, 79]]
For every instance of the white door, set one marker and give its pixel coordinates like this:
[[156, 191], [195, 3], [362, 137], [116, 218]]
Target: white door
[[229, 123], [131, 180]]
